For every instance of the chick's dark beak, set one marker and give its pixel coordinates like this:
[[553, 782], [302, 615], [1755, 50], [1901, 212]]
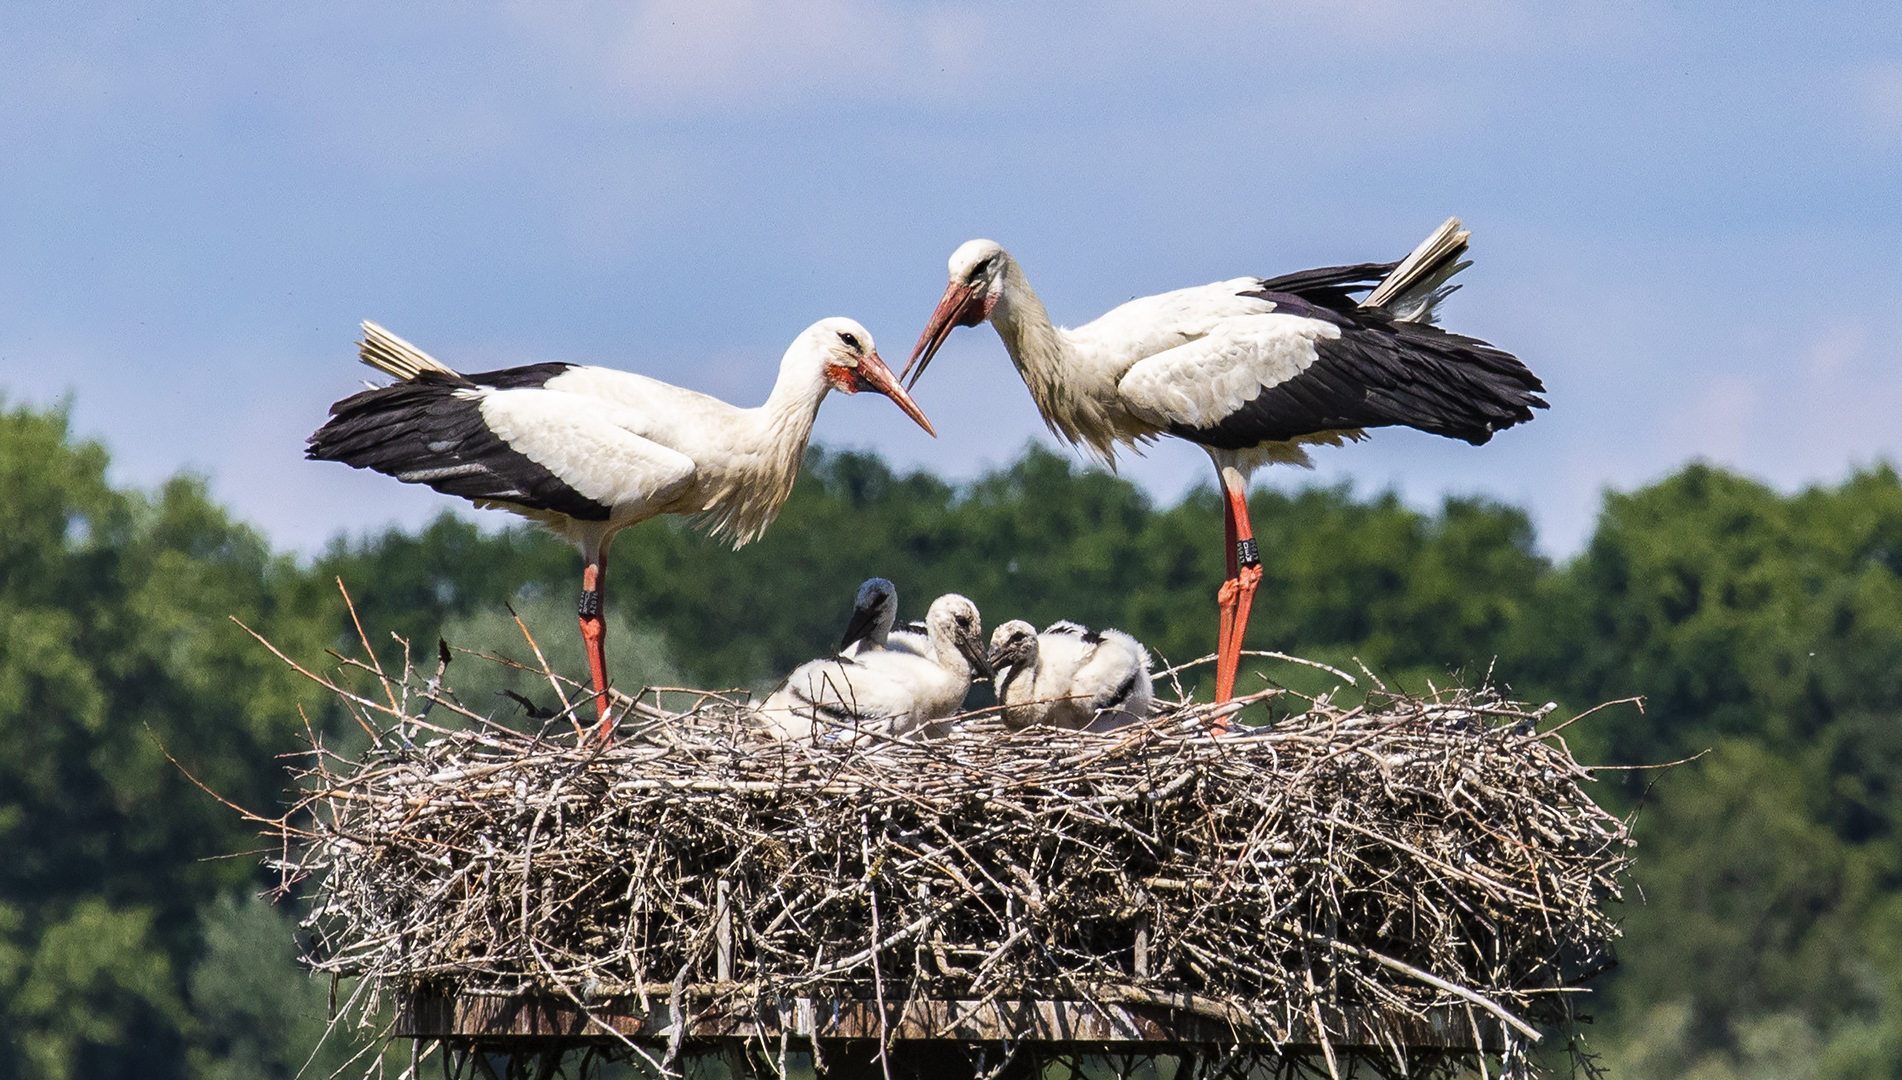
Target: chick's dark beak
[[973, 650], [859, 628], [1003, 656]]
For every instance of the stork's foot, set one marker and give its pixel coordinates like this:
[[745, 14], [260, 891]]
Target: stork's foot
[[1235, 598]]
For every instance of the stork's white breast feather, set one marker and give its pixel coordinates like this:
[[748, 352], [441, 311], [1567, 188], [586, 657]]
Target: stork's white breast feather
[[580, 441], [1200, 382]]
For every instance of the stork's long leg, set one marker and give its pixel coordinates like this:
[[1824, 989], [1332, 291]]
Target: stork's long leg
[[1237, 595], [594, 631], [1225, 596]]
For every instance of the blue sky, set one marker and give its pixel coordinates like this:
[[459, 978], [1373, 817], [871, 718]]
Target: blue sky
[[1687, 217]]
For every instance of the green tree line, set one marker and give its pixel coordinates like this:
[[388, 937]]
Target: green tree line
[[1764, 630]]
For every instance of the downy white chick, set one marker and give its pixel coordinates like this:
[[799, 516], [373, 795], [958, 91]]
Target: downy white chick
[[890, 691], [1070, 676]]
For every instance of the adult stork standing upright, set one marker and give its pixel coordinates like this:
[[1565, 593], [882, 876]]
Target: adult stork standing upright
[[1254, 370], [588, 451]]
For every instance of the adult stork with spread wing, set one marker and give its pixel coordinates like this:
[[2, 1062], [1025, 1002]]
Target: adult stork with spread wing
[[588, 451], [1254, 370]]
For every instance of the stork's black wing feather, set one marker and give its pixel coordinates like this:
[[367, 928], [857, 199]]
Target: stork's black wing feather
[[427, 430], [1381, 372], [1330, 287], [1065, 626], [528, 376]]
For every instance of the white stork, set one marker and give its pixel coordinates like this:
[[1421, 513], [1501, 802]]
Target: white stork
[[895, 692], [1254, 370], [588, 451], [874, 612], [1070, 676]]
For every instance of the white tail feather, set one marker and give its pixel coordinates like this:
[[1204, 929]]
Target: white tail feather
[[392, 355], [1416, 286]]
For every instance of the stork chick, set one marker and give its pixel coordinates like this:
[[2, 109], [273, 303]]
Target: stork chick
[[889, 691], [874, 612], [1070, 676]]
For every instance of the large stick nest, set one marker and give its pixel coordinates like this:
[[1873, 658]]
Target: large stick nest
[[1407, 855]]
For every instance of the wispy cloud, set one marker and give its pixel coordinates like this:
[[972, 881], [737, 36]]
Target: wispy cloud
[[758, 55]]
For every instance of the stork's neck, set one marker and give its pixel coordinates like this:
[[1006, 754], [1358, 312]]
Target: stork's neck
[[1036, 346], [758, 473], [787, 417], [793, 406], [944, 647], [1075, 390], [1022, 676]]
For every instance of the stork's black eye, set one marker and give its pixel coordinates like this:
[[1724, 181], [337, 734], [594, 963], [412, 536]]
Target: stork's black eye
[[851, 341]]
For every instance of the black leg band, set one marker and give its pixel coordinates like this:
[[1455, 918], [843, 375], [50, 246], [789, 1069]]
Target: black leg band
[[590, 607], [1247, 553]]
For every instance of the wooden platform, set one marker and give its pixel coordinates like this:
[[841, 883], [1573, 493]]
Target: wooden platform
[[1123, 1025]]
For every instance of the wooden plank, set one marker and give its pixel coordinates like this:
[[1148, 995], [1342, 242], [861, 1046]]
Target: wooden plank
[[1102, 1023]]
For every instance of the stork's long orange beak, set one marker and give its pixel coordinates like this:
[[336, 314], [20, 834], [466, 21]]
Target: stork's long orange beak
[[873, 374], [960, 306]]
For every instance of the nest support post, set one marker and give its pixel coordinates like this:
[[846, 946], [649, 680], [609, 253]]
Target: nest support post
[[545, 1037]]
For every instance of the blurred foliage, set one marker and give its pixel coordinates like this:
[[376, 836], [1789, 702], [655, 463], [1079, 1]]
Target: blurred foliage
[[116, 640], [257, 1014], [1763, 628], [1766, 629], [637, 656]]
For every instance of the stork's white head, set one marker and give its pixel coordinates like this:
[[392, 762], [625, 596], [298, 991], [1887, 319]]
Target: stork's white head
[[978, 264], [977, 282], [848, 361], [955, 626]]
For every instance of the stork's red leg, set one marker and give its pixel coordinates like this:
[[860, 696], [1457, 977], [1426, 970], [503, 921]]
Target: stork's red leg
[[1238, 592], [594, 632], [1225, 596]]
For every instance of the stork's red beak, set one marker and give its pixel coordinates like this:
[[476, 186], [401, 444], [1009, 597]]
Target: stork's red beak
[[960, 306], [873, 374]]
